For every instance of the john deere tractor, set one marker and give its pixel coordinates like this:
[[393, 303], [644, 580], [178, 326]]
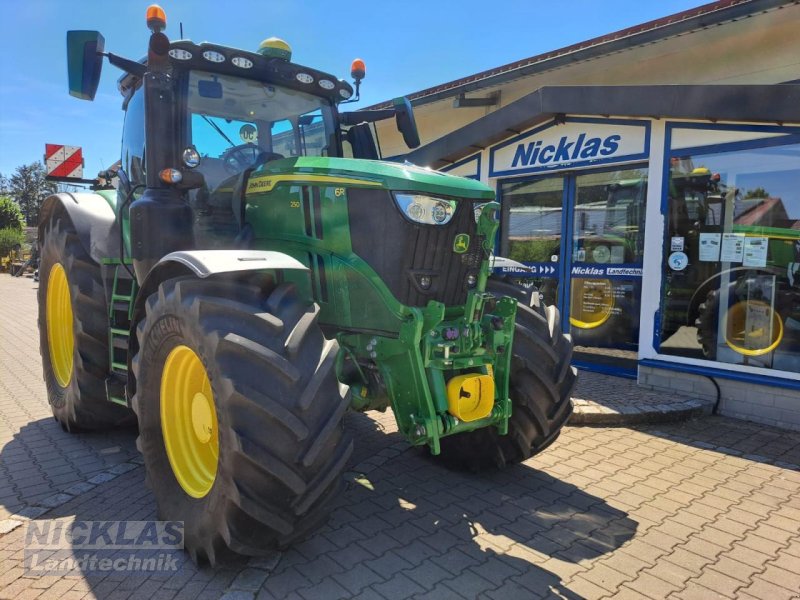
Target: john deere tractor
[[246, 285]]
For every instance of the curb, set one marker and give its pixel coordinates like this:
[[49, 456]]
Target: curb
[[589, 412]]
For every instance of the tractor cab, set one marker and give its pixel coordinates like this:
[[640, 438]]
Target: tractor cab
[[205, 117]]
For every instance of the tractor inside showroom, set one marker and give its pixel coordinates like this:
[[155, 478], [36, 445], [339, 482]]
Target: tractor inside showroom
[[749, 309], [258, 273]]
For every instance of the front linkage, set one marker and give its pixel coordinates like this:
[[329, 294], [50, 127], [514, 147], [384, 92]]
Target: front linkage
[[448, 369]]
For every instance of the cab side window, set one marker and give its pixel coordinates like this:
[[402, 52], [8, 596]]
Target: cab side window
[[133, 140]]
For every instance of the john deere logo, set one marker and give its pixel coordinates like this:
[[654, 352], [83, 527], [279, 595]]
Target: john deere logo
[[461, 243]]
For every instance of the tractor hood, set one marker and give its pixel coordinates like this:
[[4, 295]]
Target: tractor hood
[[349, 172]]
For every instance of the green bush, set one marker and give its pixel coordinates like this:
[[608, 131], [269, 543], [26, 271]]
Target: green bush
[[10, 214], [9, 239]]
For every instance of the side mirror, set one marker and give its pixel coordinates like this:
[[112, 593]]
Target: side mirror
[[406, 124], [84, 62]]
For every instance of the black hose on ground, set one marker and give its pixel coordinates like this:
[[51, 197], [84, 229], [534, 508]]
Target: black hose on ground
[[715, 410]]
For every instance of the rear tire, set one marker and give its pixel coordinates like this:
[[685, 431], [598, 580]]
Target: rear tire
[[76, 392], [707, 324], [541, 382], [278, 408], [708, 318]]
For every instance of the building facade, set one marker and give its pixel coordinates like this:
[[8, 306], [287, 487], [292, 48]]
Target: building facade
[[650, 182]]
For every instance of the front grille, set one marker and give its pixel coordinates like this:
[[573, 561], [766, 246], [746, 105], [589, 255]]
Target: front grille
[[402, 252]]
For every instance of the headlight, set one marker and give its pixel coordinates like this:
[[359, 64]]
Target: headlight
[[426, 209], [191, 158]]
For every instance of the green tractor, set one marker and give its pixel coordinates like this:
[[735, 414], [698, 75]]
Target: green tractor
[[236, 298], [749, 310]]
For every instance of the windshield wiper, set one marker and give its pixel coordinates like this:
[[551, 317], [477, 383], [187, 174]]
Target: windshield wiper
[[219, 131]]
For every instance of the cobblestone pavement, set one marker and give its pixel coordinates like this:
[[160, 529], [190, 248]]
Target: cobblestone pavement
[[709, 508]]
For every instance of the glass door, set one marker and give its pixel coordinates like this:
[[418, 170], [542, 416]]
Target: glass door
[[583, 238], [607, 244], [532, 225]]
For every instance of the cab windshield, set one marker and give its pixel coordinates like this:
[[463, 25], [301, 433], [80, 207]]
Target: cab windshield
[[235, 124]]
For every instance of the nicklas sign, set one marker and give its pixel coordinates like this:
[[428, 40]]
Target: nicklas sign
[[577, 142]]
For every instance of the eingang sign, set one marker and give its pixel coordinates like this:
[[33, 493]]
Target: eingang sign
[[577, 142]]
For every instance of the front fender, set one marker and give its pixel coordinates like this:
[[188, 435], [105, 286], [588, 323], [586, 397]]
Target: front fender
[[211, 262], [202, 264], [91, 216]]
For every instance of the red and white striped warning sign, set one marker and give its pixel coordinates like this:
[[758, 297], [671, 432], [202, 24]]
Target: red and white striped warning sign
[[63, 161]]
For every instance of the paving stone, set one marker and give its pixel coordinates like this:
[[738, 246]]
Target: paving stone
[[237, 595], [695, 591], [511, 590], [250, 579], [352, 555], [787, 561], [652, 587], [605, 577], [688, 560], [327, 589], [718, 582], [781, 577], [441, 592], [319, 568], [284, 583], [358, 577], [388, 565], [765, 590]]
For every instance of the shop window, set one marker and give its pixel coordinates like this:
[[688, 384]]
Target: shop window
[[732, 257]]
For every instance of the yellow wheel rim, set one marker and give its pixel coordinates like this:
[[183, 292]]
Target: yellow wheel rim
[[189, 421], [60, 338], [758, 340], [592, 302]]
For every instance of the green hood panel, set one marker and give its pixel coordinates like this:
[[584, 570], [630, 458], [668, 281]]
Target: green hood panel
[[387, 175]]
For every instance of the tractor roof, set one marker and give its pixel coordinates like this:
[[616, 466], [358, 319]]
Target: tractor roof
[[250, 65]]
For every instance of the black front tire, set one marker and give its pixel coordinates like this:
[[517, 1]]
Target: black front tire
[[279, 409], [541, 382], [82, 403]]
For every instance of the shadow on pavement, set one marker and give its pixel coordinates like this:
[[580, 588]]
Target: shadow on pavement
[[479, 532], [41, 460], [751, 441]]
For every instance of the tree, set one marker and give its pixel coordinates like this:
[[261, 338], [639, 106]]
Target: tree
[[10, 214], [29, 188], [10, 239], [759, 192]]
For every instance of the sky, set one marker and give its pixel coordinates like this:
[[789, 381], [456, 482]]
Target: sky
[[407, 46]]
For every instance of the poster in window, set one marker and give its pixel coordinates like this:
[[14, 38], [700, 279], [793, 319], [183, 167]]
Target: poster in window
[[732, 247], [755, 252], [709, 247]]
